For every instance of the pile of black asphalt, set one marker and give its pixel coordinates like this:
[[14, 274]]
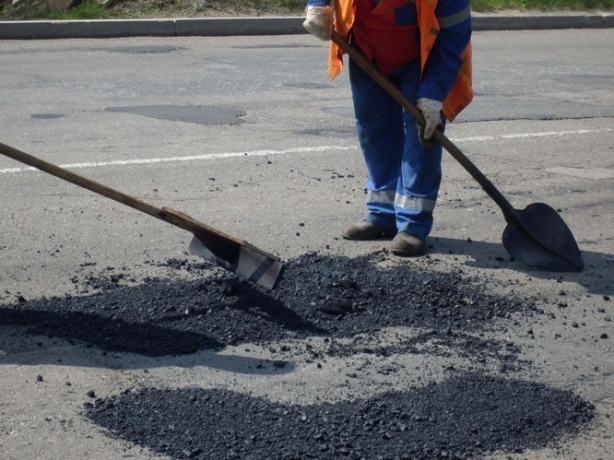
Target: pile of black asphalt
[[469, 414], [465, 416], [319, 295]]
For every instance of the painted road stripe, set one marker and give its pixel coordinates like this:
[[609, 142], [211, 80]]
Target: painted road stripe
[[530, 135], [326, 148], [211, 156]]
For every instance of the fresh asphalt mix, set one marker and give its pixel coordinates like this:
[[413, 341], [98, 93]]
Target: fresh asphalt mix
[[466, 392]]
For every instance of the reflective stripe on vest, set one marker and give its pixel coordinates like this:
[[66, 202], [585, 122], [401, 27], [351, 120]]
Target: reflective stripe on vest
[[454, 19]]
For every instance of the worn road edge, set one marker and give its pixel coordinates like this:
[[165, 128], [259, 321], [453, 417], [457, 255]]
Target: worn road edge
[[102, 28]]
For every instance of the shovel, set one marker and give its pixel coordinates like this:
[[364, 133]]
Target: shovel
[[230, 253], [536, 236]]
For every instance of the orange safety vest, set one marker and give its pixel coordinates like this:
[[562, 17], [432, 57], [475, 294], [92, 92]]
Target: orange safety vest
[[461, 93]]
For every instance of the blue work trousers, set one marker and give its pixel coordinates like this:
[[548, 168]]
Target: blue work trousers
[[403, 175]]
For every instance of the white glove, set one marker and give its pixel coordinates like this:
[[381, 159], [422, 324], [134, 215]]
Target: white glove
[[319, 21], [431, 111]]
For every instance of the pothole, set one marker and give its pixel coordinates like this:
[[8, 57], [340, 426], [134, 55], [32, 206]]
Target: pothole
[[203, 115], [307, 85], [46, 116], [161, 49]]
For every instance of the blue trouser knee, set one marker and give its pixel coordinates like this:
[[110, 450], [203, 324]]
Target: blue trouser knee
[[403, 175]]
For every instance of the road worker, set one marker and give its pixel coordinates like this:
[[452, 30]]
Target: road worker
[[423, 47]]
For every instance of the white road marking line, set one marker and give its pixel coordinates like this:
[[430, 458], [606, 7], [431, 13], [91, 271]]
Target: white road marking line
[[529, 135], [325, 148], [211, 156]]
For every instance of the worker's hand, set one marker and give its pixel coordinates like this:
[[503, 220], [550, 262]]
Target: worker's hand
[[431, 111], [319, 21]]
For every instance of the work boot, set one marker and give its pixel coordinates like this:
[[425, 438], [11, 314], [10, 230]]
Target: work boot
[[366, 230], [406, 244]]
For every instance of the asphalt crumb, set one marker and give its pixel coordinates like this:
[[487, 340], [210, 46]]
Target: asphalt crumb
[[351, 304], [465, 416], [319, 296]]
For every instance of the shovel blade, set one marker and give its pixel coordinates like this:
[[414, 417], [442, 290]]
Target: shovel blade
[[248, 263], [549, 244]]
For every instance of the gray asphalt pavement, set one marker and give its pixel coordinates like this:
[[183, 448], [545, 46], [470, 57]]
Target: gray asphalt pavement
[[248, 135], [19, 30]]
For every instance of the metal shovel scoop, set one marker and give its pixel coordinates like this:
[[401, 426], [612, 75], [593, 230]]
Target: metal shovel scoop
[[234, 255], [536, 236]]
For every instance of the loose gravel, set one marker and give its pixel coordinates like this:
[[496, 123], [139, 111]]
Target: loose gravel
[[463, 417], [349, 302], [319, 295]]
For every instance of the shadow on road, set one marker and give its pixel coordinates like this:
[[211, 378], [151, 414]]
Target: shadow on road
[[328, 296], [599, 267]]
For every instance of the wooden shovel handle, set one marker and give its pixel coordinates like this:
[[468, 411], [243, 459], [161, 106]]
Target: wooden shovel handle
[[225, 243], [390, 88]]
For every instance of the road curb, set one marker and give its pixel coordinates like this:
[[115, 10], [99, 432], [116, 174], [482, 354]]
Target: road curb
[[542, 22], [25, 30]]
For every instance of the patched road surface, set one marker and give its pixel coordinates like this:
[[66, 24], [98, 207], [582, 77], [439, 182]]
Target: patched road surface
[[115, 342]]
